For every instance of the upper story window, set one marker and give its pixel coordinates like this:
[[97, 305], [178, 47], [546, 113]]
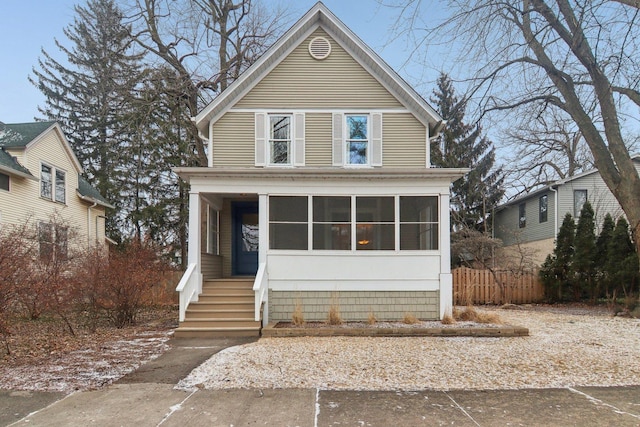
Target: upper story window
[[357, 139], [48, 190], [4, 182], [522, 215], [543, 205], [579, 199], [279, 139]]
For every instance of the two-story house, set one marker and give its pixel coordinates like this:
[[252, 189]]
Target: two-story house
[[530, 223], [40, 177], [318, 192]]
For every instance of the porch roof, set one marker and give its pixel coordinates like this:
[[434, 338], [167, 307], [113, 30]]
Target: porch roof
[[450, 174]]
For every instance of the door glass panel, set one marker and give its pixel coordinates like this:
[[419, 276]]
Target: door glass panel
[[250, 232]]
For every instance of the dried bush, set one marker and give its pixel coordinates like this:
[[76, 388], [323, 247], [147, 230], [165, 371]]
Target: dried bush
[[470, 314], [297, 318], [488, 318], [334, 317], [409, 318], [118, 284], [371, 318]]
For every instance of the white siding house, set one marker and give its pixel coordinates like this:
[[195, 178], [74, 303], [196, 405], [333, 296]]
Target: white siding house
[[40, 177]]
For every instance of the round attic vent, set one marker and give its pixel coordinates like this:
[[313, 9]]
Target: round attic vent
[[319, 48]]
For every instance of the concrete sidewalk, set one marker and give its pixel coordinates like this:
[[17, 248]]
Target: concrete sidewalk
[[147, 398]]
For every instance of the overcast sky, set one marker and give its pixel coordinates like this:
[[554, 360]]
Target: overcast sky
[[30, 25]]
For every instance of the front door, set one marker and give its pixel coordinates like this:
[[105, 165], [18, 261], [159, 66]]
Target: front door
[[245, 238]]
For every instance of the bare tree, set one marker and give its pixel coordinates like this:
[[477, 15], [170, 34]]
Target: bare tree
[[207, 43], [576, 56], [541, 149]]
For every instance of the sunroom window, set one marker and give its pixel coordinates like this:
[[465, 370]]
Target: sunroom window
[[418, 223], [288, 222], [375, 223], [332, 223]]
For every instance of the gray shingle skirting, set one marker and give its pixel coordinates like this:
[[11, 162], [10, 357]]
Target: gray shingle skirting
[[354, 305]]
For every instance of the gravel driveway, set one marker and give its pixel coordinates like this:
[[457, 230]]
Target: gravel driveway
[[563, 350]]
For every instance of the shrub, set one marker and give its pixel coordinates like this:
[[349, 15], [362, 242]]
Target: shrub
[[371, 318], [409, 318], [334, 317], [297, 318]]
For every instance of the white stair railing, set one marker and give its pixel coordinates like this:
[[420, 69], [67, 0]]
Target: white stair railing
[[188, 289], [260, 286]]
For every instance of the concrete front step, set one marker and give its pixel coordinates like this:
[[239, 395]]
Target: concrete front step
[[217, 332]]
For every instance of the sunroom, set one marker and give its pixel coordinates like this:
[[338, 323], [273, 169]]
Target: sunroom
[[366, 241]]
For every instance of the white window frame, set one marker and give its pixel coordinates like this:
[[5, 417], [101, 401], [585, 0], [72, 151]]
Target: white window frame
[[271, 139], [347, 141], [213, 233], [53, 183]]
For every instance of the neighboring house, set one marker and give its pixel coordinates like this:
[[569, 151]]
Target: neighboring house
[[533, 220], [39, 179], [319, 189]]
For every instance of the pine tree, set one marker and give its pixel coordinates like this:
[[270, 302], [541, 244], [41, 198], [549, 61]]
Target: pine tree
[[557, 268], [583, 265], [461, 145], [622, 263], [90, 97], [602, 256]]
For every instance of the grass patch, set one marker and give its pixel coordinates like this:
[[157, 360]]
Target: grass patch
[[297, 318], [409, 318], [334, 317]]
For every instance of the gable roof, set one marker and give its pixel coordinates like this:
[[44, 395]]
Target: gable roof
[[90, 194], [320, 16], [10, 165], [21, 134], [554, 185]]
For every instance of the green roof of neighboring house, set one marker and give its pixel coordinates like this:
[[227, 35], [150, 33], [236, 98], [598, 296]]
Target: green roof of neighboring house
[[21, 134], [9, 164], [87, 191]]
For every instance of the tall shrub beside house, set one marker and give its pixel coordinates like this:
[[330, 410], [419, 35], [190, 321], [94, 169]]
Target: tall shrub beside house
[[556, 270], [603, 281], [622, 262], [583, 265]]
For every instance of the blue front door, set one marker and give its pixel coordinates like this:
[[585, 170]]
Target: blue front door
[[245, 238]]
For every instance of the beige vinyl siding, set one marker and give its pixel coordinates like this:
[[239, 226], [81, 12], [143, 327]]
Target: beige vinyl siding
[[234, 140], [211, 266], [403, 141], [23, 201], [300, 81], [318, 139]]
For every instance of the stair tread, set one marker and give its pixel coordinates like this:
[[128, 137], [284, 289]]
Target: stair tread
[[218, 328]]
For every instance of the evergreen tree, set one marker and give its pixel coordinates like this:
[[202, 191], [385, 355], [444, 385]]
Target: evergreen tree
[[622, 262], [602, 256], [583, 265], [91, 96], [461, 145], [556, 272]]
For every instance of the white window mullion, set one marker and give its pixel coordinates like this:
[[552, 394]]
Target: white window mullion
[[354, 237], [397, 222], [310, 222]]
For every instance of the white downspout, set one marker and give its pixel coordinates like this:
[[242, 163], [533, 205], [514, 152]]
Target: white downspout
[[89, 222]]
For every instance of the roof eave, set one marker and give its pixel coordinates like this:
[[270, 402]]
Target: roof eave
[[93, 200], [15, 172]]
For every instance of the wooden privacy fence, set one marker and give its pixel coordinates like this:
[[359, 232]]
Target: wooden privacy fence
[[480, 287]]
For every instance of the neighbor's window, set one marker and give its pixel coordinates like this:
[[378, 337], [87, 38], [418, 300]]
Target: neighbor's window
[[60, 186], [543, 205], [375, 223], [288, 222], [418, 222], [579, 199], [332, 223], [522, 215], [357, 139], [4, 182], [279, 139], [45, 182]]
